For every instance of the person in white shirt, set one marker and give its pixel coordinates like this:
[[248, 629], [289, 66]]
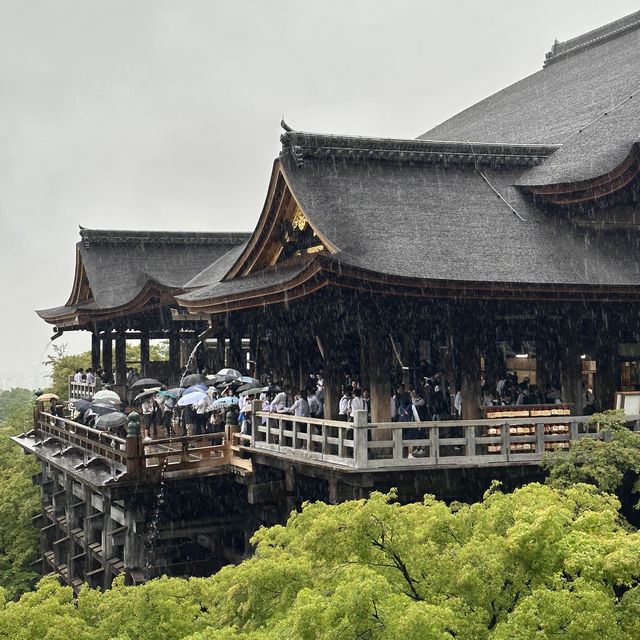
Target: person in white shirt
[[78, 377], [300, 406], [344, 407], [357, 403], [90, 377], [147, 412], [315, 406]]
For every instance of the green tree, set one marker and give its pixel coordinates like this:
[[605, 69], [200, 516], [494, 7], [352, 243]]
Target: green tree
[[536, 563], [64, 365], [12, 400], [19, 500], [612, 465]]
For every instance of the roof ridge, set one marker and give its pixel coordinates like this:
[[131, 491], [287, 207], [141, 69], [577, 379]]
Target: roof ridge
[[560, 50], [129, 237], [300, 145]]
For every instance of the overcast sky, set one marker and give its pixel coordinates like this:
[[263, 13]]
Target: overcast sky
[[150, 114]]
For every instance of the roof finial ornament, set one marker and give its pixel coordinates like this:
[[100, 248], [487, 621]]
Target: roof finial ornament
[[284, 125]]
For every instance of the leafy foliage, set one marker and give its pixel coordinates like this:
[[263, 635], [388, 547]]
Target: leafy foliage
[[19, 500], [64, 365], [536, 563], [605, 464]]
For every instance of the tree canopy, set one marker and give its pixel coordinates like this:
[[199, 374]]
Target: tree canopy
[[536, 563], [19, 499]]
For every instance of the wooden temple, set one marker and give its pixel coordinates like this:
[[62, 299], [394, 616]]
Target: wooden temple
[[513, 228]]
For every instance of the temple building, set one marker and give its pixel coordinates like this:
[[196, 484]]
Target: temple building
[[505, 239]]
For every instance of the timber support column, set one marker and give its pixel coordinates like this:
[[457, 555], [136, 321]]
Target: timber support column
[[107, 356], [607, 379], [571, 372], [121, 361], [379, 375], [466, 343], [328, 346], [236, 360], [95, 351], [546, 357], [174, 358], [144, 354]]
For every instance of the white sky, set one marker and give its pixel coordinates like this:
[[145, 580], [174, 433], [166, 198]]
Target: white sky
[[150, 114]]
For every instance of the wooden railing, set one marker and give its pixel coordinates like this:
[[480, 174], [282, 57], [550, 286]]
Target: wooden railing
[[84, 390], [145, 459], [463, 443]]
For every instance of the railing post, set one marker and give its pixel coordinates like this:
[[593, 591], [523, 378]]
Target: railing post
[[471, 440], [134, 446], [360, 439], [434, 444], [505, 434], [256, 406], [573, 431], [540, 438]]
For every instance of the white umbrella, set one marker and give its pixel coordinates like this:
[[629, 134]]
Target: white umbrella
[[230, 372], [106, 394]]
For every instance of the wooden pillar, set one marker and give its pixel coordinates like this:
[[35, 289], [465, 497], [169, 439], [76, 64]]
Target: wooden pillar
[[144, 354], [379, 375], [365, 380], [174, 358], [121, 359], [95, 351], [571, 370], [547, 356], [328, 346], [107, 356], [236, 359], [607, 378], [466, 344]]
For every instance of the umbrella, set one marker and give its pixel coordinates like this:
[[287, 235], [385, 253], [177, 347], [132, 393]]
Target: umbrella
[[176, 392], [80, 405], [221, 402], [146, 394], [106, 394], [147, 383], [253, 390], [191, 398], [230, 372], [45, 397], [254, 382], [195, 387], [111, 420], [100, 408], [194, 378]]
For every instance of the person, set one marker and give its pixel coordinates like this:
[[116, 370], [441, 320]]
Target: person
[[90, 377], [167, 415], [344, 407], [147, 413], [419, 406], [280, 402], [189, 415], [588, 401], [404, 412], [457, 403], [315, 406], [357, 403], [366, 399], [300, 406], [78, 377]]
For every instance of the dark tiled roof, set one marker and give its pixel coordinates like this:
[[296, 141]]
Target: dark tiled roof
[[592, 38], [253, 282], [441, 223], [554, 103], [119, 264], [216, 271]]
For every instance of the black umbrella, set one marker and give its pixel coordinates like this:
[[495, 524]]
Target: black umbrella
[[80, 405], [111, 420], [146, 394], [147, 383], [194, 378], [101, 408]]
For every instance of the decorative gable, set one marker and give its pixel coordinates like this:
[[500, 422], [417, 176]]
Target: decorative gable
[[284, 232]]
